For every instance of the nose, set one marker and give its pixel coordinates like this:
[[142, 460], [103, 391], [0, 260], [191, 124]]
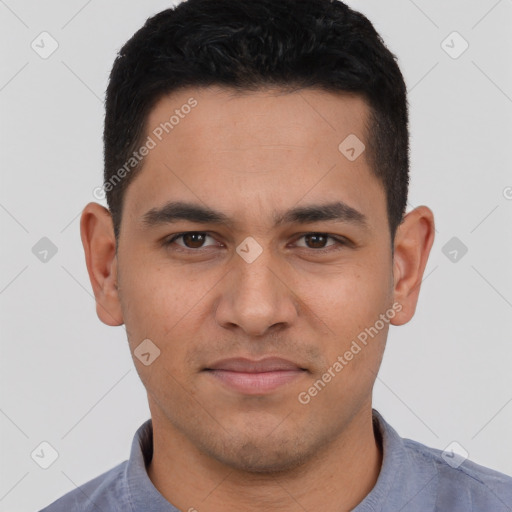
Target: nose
[[256, 297]]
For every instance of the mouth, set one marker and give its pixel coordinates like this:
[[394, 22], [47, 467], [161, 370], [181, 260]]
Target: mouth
[[253, 377]]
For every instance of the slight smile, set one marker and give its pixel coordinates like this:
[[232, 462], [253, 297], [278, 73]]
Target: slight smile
[[252, 377]]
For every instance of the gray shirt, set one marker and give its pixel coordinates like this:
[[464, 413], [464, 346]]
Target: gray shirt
[[413, 477]]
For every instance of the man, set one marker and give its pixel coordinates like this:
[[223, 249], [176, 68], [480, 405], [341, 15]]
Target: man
[[256, 248]]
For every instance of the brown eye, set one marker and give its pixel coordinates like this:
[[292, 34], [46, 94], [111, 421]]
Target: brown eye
[[317, 240], [190, 240], [193, 240]]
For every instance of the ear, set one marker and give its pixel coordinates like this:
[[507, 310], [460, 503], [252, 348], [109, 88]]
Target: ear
[[97, 233], [413, 241]]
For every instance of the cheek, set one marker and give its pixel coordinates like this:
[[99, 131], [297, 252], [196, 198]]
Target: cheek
[[355, 346], [352, 307], [168, 306], [157, 297], [354, 299], [149, 302]]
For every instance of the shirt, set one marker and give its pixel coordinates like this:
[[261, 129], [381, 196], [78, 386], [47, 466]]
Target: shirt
[[413, 478]]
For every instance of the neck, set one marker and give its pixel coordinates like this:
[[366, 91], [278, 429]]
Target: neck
[[339, 477]]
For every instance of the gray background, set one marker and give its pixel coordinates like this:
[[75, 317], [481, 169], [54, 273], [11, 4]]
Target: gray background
[[69, 380]]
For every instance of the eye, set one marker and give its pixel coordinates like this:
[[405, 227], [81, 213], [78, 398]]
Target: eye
[[193, 241], [190, 239], [318, 241]]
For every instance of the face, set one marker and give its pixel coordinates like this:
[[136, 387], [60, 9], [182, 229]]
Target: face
[[268, 273]]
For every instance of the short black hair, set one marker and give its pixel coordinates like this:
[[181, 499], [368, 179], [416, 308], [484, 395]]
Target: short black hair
[[248, 45]]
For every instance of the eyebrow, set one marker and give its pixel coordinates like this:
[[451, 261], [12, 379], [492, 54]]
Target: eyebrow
[[174, 211]]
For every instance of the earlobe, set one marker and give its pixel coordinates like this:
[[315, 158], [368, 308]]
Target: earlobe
[[98, 240], [413, 241]]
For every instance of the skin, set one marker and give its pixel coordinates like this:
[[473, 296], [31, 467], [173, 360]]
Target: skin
[[249, 155]]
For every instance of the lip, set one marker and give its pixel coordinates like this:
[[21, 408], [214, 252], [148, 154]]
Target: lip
[[242, 364], [255, 377]]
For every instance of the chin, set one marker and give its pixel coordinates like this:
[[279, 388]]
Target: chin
[[251, 459], [261, 454]]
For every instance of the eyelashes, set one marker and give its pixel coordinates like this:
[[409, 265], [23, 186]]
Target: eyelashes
[[198, 238]]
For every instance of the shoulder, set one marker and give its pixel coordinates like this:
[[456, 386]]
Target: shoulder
[[104, 492], [462, 480]]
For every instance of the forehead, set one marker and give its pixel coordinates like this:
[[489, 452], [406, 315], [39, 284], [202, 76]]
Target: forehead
[[250, 152], [292, 116]]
